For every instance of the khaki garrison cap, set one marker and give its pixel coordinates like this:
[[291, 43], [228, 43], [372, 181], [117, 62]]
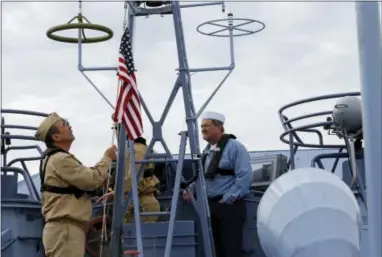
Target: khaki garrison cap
[[45, 125]]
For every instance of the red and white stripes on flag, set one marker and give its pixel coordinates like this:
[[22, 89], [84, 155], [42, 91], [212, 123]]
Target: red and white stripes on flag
[[128, 107]]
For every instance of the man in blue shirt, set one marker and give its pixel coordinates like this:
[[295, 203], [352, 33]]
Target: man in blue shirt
[[228, 175]]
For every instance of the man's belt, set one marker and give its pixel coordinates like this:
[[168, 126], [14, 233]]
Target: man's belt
[[215, 199], [146, 173]]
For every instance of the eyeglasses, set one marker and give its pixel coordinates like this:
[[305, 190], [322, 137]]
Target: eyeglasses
[[66, 122]]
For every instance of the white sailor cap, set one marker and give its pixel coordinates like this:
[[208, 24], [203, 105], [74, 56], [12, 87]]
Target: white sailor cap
[[213, 116]]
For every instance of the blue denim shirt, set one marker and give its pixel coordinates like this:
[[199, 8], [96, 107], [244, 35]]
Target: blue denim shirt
[[236, 157]]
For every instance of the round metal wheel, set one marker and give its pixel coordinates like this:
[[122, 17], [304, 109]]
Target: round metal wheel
[[93, 237], [229, 26], [82, 26]]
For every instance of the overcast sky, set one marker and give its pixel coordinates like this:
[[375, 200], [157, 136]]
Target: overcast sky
[[306, 49]]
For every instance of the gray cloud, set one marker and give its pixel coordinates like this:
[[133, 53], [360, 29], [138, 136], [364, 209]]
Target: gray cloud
[[307, 49]]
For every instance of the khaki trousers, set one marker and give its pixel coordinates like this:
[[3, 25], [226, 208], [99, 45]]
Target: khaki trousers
[[63, 239], [148, 203]]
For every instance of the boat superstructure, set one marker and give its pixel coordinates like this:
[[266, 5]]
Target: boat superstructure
[[184, 228]]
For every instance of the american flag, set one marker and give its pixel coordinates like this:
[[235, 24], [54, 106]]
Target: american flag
[[128, 108]]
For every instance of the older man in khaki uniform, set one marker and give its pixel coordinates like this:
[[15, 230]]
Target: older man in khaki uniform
[[147, 185], [65, 188]]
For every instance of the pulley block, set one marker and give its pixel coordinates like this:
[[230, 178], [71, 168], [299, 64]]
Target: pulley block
[[152, 4]]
